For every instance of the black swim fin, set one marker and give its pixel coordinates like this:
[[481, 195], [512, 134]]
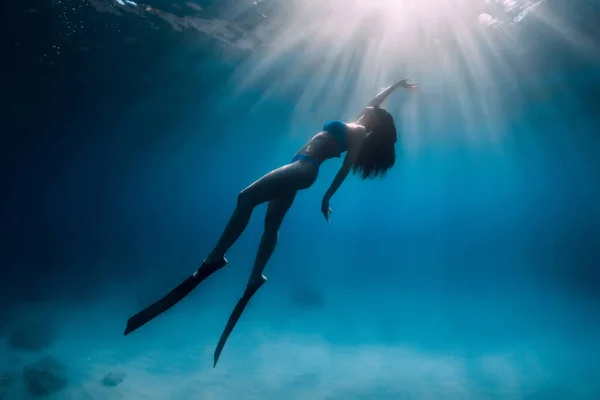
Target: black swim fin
[[174, 296], [234, 317]]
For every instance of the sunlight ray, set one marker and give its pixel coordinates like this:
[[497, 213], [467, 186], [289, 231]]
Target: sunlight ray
[[353, 48]]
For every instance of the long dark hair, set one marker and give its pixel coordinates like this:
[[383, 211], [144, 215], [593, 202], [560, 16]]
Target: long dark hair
[[378, 153]]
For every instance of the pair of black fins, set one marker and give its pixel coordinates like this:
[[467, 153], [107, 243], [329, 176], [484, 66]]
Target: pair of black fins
[[184, 288]]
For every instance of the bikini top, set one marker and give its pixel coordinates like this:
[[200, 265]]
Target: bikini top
[[337, 129]]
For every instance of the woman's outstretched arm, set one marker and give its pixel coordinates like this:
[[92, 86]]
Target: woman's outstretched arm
[[352, 153], [377, 100]]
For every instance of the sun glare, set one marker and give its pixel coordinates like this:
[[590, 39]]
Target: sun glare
[[465, 54], [332, 56], [470, 57], [344, 51]]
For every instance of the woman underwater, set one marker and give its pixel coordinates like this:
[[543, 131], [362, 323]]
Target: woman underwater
[[369, 146]]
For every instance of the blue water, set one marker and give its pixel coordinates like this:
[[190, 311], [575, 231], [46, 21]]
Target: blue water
[[471, 271]]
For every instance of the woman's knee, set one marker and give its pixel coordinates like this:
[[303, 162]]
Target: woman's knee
[[272, 223], [271, 233], [245, 199]]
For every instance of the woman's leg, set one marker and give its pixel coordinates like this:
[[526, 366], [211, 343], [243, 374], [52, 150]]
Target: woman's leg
[[279, 187], [280, 183], [275, 214]]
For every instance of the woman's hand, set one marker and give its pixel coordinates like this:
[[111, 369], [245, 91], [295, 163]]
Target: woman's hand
[[408, 86], [325, 208]]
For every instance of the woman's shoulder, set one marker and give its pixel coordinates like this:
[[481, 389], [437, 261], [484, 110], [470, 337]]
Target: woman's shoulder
[[356, 129], [354, 126], [337, 124], [356, 136]]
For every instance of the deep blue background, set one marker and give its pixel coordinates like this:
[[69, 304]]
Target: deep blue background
[[121, 160]]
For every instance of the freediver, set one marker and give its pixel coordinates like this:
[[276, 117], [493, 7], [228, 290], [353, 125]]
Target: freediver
[[369, 144]]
